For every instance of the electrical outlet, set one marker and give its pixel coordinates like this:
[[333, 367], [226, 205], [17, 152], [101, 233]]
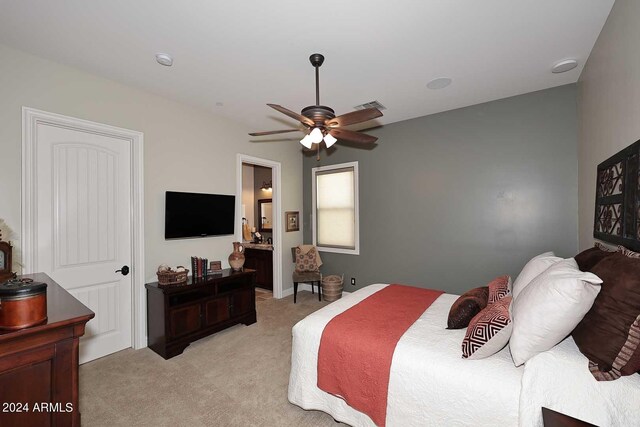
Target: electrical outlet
[[353, 281]]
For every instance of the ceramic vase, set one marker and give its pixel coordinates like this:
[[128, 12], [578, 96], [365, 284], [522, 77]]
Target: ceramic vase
[[236, 259]]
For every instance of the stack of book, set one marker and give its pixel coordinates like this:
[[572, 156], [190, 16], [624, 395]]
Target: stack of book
[[199, 266]]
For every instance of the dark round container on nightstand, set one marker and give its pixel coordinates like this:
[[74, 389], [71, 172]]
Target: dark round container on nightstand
[[23, 303]]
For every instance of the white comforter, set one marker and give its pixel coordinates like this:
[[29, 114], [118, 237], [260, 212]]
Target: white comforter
[[431, 385], [559, 379]]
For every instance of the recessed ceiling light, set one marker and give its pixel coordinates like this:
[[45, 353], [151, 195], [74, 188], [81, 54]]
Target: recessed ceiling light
[[564, 66], [439, 83], [164, 59], [219, 104]]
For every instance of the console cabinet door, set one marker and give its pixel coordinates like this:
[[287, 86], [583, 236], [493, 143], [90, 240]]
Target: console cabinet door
[[184, 320], [217, 310], [243, 301]]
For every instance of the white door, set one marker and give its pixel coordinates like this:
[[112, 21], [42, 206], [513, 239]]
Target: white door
[[83, 227]]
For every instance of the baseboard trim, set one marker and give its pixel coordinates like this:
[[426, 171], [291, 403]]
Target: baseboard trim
[[302, 287], [287, 292]]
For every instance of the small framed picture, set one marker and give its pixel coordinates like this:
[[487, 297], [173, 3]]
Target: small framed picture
[[293, 220], [215, 265]]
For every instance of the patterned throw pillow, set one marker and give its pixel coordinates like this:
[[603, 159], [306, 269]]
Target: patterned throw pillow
[[489, 331], [307, 261], [467, 306], [604, 247], [499, 288], [628, 252]]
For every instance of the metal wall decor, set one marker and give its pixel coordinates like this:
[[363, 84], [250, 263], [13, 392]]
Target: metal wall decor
[[617, 215]]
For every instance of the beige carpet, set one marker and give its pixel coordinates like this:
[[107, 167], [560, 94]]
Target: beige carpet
[[263, 294], [237, 377]]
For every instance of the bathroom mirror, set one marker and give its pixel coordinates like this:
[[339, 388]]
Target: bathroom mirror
[[265, 219]]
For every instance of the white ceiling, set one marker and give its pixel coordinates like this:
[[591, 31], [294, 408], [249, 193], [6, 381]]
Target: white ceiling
[[247, 53]]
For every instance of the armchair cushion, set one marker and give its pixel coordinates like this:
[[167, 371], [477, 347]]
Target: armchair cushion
[[306, 276]]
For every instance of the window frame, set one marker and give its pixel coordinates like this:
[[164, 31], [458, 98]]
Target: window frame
[[314, 222]]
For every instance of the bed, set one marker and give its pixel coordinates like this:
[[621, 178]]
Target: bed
[[431, 385]]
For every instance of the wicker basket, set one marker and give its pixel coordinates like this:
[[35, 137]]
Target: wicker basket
[[167, 278], [332, 288]]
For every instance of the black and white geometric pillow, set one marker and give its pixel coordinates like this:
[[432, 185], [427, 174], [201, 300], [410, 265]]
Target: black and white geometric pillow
[[489, 331]]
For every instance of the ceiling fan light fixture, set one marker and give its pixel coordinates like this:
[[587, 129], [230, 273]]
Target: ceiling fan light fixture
[[316, 136], [321, 122], [306, 141], [329, 140]]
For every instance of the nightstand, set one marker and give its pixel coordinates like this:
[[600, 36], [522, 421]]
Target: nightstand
[[556, 419]]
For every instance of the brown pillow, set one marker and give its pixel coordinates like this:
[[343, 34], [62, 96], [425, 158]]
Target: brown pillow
[[588, 259], [467, 306], [609, 334]]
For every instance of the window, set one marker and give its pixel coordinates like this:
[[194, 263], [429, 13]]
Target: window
[[335, 208]]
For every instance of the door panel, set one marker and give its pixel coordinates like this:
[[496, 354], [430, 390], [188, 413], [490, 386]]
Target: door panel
[[83, 229], [101, 296], [85, 188]]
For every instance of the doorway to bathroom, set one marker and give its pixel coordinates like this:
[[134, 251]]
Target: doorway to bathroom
[[260, 226]]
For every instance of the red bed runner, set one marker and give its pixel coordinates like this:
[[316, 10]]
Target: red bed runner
[[356, 348]]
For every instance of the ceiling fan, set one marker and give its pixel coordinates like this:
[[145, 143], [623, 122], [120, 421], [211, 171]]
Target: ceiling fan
[[320, 122]]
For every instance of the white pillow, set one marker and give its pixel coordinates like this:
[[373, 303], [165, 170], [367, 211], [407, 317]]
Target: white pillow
[[550, 307], [531, 270]]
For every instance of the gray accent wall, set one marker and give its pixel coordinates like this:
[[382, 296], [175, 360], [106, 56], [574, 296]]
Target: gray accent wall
[[452, 200]]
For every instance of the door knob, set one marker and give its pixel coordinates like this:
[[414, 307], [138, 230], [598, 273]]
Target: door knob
[[124, 270]]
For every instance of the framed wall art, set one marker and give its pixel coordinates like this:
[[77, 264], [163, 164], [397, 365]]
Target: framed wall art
[[617, 215], [292, 219]]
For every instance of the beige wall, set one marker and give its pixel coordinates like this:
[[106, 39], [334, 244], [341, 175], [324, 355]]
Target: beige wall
[[185, 149], [608, 104]]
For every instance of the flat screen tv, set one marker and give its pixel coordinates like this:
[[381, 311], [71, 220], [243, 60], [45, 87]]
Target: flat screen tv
[[198, 215]]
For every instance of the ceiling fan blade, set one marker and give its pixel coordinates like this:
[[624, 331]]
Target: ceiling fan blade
[[354, 117], [349, 135], [273, 132], [292, 114]]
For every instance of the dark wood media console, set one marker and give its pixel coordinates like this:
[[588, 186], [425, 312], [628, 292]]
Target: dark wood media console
[[178, 315]]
